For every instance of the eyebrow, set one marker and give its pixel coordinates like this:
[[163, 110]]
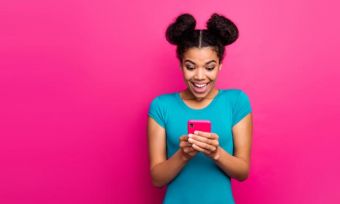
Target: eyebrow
[[195, 63]]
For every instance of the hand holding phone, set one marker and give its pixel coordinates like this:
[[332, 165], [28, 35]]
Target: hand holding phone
[[210, 144], [186, 149]]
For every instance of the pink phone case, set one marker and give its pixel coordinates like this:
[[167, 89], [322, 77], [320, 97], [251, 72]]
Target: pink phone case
[[201, 125]]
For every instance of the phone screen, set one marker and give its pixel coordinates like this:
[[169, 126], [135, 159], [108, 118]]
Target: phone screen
[[201, 125]]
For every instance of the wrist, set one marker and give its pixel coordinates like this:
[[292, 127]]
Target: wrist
[[216, 157], [182, 156]]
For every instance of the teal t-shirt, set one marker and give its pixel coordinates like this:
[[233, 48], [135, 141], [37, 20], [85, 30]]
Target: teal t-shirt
[[200, 180]]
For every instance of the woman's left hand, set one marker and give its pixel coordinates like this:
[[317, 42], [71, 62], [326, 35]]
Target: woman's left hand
[[205, 142]]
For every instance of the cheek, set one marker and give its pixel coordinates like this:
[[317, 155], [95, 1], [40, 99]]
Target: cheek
[[187, 75], [212, 77]]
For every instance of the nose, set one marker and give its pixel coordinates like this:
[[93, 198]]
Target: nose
[[199, 74]]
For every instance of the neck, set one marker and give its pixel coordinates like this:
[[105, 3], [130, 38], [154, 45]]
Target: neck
[[188, 95]]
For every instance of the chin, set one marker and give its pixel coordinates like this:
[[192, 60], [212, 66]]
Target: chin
[[200, 95]]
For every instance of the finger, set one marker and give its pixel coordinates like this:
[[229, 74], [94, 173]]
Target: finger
[[209, 135], [201, 139], [191, 149], [185, 144], [183, 138], [200, 149], [208, 153], [186, 149], [202, 144], [193, 153]]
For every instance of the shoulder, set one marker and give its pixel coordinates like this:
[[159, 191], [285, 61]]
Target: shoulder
[[165, 96], [164, 99], [233, 92], [235, 96]]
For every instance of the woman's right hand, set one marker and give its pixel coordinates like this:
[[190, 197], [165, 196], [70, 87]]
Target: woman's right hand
[[186, 148]]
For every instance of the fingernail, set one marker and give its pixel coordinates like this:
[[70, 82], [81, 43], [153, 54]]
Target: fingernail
[[196, 132], [190, 135]]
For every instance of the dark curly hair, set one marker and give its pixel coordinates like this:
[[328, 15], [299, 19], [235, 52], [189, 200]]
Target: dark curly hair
[[220, 32]]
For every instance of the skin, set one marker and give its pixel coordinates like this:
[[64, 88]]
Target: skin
[[199, 65]]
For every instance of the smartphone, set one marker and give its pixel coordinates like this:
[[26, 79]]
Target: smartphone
[[200, 125]]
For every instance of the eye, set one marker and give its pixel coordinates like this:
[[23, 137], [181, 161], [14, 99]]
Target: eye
[[189, 67], [210, 68]]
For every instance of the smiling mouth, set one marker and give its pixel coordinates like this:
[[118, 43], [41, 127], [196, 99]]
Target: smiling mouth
[[199, 85]]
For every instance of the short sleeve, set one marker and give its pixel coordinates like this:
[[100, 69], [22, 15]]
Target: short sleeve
[[156, 111], [241, 108]]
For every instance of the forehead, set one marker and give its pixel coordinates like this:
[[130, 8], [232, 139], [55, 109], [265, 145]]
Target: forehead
[[200, 55]]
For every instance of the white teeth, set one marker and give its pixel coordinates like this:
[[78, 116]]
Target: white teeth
[[199, 85]]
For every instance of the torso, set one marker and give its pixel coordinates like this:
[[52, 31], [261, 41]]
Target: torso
[[200, 176]]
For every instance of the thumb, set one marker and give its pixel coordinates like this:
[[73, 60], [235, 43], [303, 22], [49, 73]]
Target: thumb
[[183, 137]]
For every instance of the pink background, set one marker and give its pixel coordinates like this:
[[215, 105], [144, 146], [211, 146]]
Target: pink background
[[77, 78]]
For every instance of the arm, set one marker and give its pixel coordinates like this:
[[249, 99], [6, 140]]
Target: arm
[[162, 170], [238, 166], [235, 166]]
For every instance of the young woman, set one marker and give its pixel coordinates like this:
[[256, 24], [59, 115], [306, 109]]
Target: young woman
[[197, 168]]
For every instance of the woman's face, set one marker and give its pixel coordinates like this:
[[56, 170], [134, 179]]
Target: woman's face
[[200, 68]]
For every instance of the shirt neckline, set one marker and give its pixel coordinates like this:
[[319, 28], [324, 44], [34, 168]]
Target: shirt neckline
[[200, 109]]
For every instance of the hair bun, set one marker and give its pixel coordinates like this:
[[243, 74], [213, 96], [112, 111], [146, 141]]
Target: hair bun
[[184, 24], [223, 28]]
